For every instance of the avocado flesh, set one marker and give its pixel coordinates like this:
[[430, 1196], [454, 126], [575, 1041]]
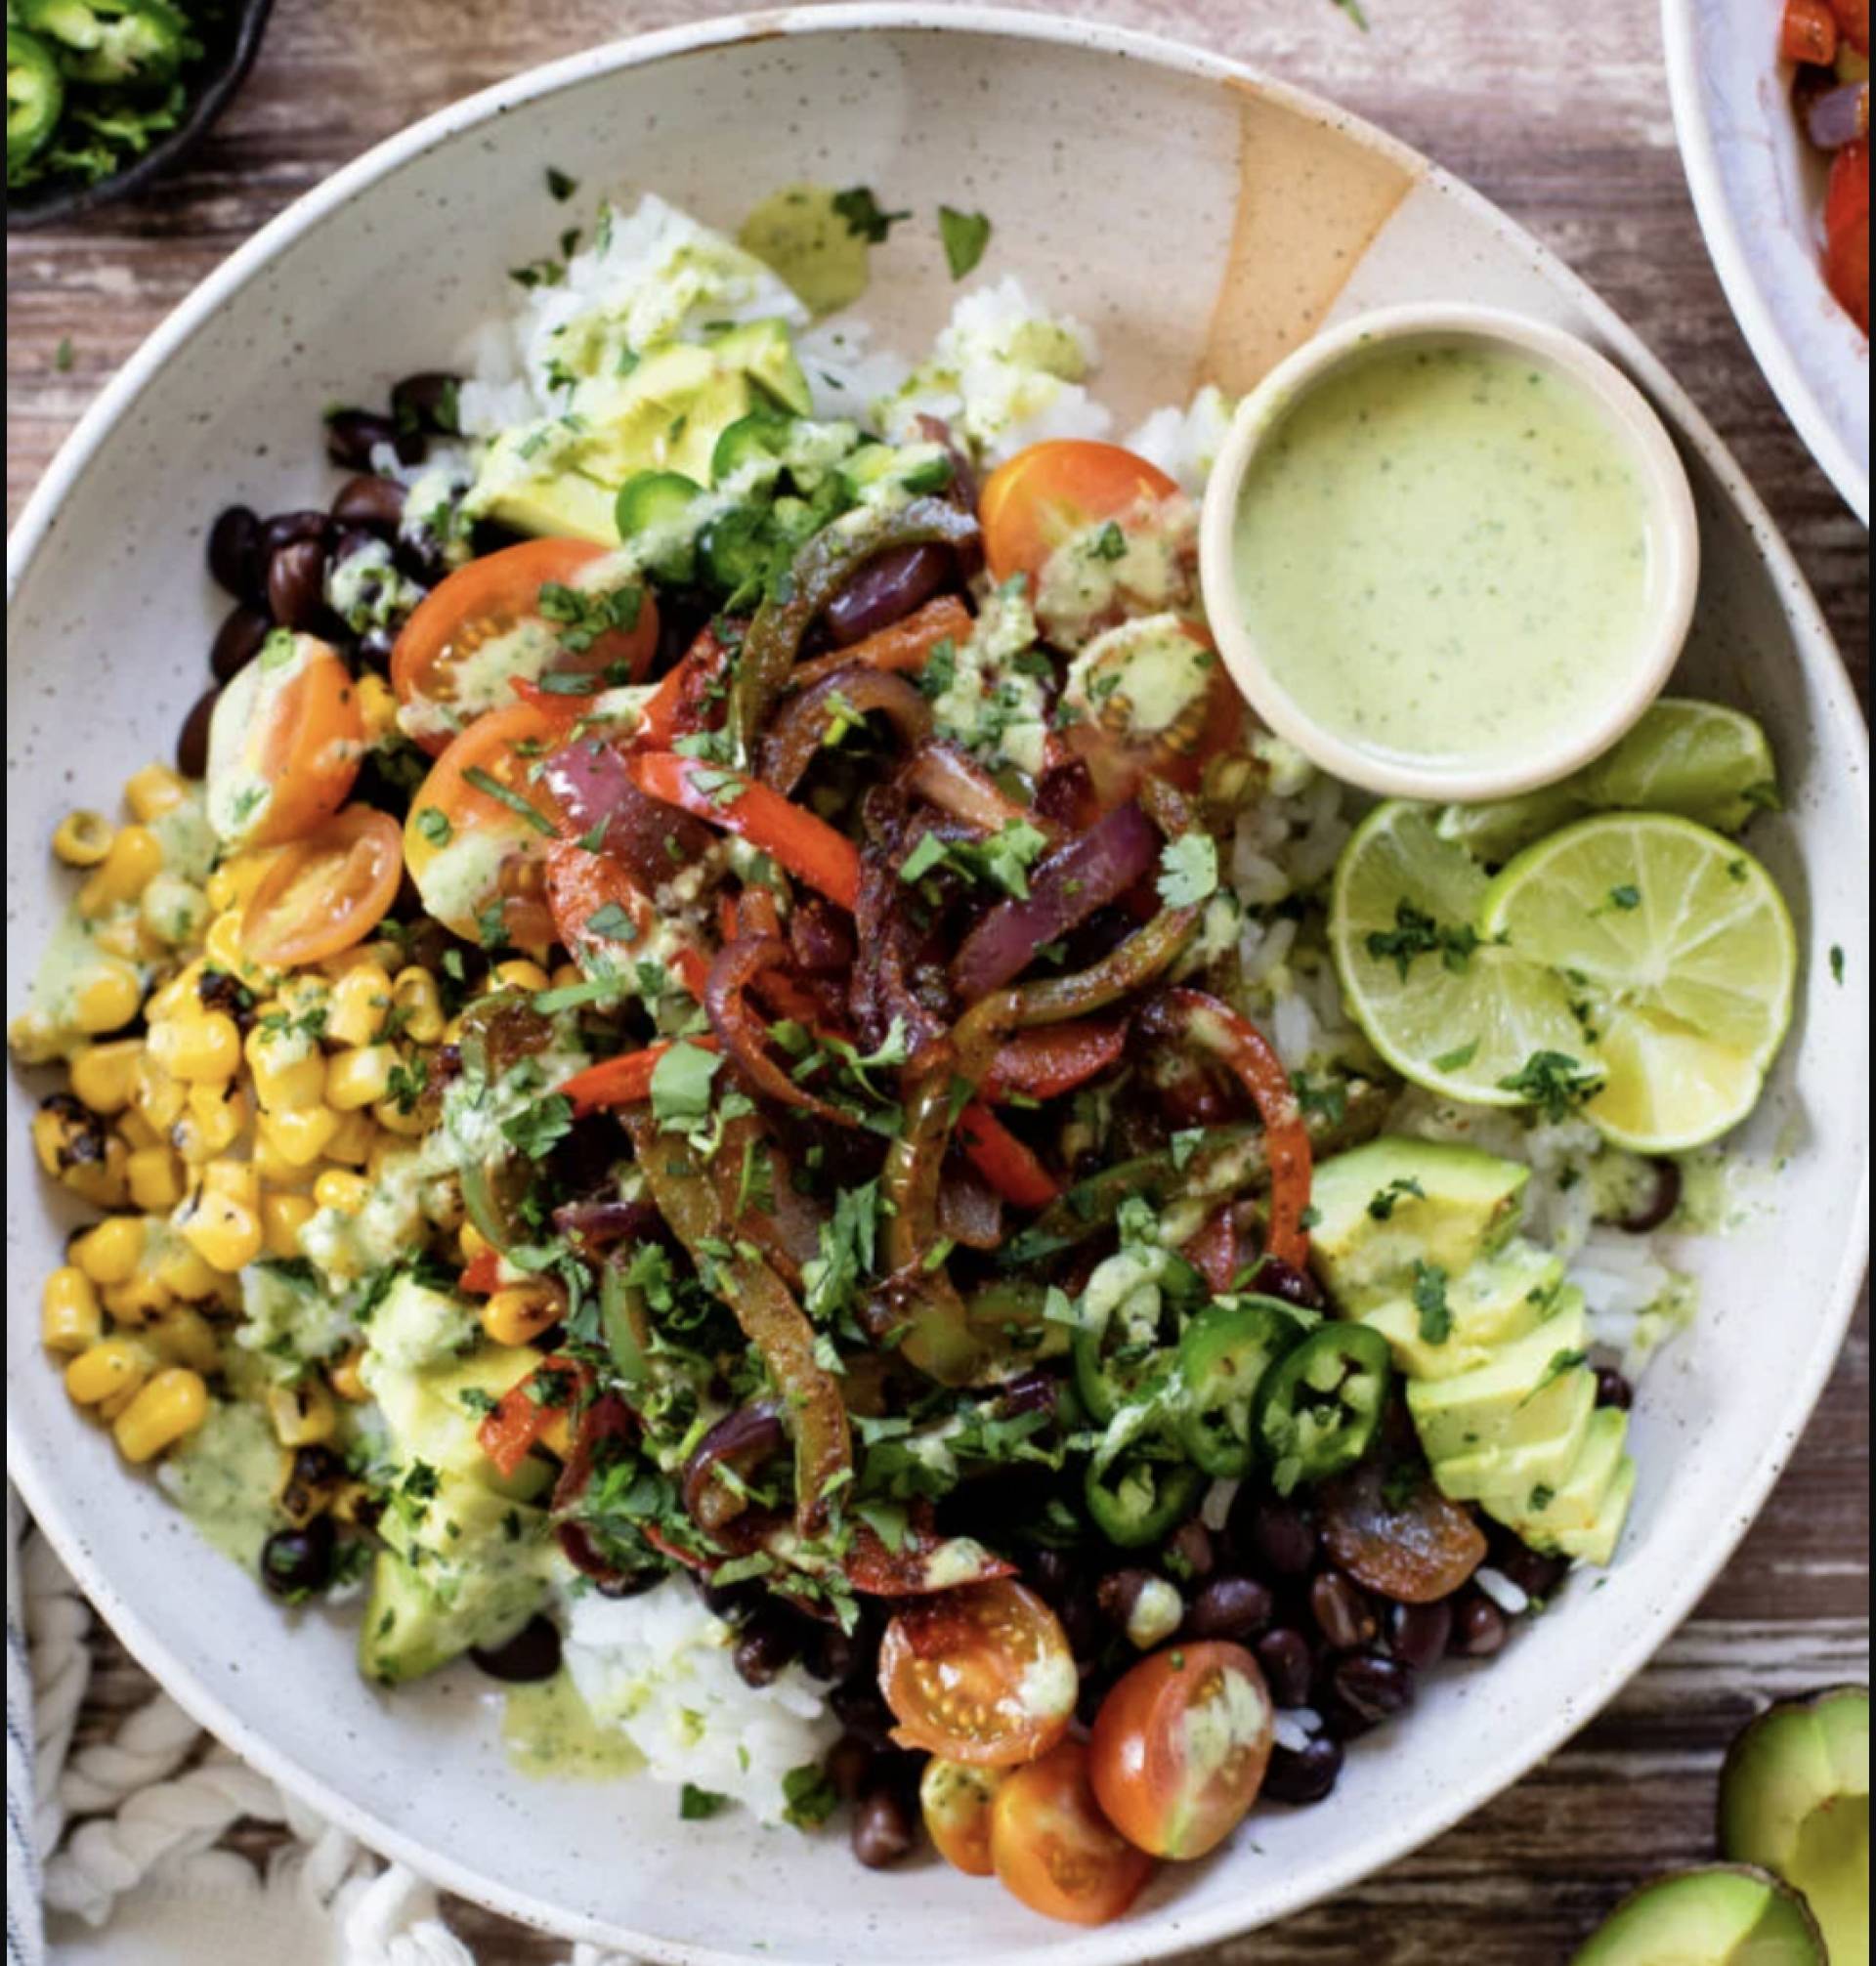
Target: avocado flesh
[[1596, 1544], [1498, 1300], [1499, 1474], [1518, 1396], [1720, 1917], [1575, 1505], [1794, 1798]]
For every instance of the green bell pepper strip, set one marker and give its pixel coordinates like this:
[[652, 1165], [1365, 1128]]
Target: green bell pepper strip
[[1136, 1498], [1224, 1353], [1320, 1407], [35, 98]]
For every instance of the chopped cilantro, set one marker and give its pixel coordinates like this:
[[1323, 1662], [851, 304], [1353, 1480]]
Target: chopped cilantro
[[864, 216], [492, 787], [699, 1804], [560, 186], [1109, 543], [1628, 896], [433, 824], [536, 1128], [681, 1087], [1553, 1082], [1429, 1300], [1836, 961], [1416, 933], [809, 1796], [1457, 1060], [1188, 870], [612, 923], [965, 234], [1383, 1202]]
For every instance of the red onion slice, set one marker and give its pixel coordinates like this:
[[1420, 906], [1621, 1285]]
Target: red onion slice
[[1838, 116], [800, 727], [594, 790]]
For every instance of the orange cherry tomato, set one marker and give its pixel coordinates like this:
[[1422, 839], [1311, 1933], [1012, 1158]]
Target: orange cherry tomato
[[956, 1799], [1053, 1847], [326, 892], [982, 1674], [481, 824], [1847, 231], [284, 743], [1387, 1524], [1181, 1746], [1045, 495], [498, 600]]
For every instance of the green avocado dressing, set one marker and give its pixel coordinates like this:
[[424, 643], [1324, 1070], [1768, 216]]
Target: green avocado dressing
[[224, 1479], [548, 1730], [799, 236], [1443, 553]]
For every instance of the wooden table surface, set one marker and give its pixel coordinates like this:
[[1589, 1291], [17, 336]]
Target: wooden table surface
[[1562, 118]]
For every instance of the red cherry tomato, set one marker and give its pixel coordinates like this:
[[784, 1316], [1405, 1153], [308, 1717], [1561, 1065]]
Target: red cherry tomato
[[1391, 1529], [955, 1800], [1179, 1747], [326, 892], [1051, 1847], [1847, 231]]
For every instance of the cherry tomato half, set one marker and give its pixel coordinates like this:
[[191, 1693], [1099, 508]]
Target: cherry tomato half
[[471, 637], [955, 1800], [481, 824], [1045, 495], [1179, 1747], [326, 892], [1847, 231], [1051, 1847], [284, 743], [982, 1674]]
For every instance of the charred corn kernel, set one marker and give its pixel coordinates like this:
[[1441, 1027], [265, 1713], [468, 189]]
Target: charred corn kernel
[[282, 1217], [136, 1301], [108, 999], [104, 1183], [232, 1181], [557, 1436], [154, 1177], [348, 1381], [183, 1272], [299, 1137], [70, 1318], [223, 944], [414, 994], [102, 1371], [65, 1134], [352, 1139], [83, 838], [172, 910], [360, 1002], [104, 1076], [135, 855], [518, 974], [111, 1251], [154, 792], [361, 1076], [303, 1415], [34, 1038], [378, 704], [518, 1313], [566, 973], [289, 1066], [182, 1336], [224, 1232], [207, 1045], [339, 1190], [171, 1404]]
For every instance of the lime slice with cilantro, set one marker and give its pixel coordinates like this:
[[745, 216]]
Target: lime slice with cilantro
[[1677, 953], [1703, 761]]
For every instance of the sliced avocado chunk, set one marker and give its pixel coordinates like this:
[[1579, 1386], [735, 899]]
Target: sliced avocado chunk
[[1575, 1505], [765, 351], [1498, 1300], [1596, 1544], [1509, 1477], [1794, 1797], [666, 415], [563, 504], [1393, 1202], [1724, 1916], [432, 1414], [1521, 1394]]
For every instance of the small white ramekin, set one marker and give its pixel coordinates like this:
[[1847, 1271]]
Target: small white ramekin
[[1673, 540]]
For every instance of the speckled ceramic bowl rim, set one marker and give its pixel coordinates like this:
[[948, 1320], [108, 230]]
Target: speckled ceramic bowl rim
[[1674, 533], [1502, 1759]]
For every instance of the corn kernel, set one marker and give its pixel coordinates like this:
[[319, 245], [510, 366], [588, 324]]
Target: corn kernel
[[518, 1313], [232, 1181], [518, 974], [272, 1166], [207, 1045], [154, 792], [307, 997], [361, 1076], [73, 1147], [136, 1132], [352, 1139], [360, 1002], [225, 948], [103, 1076], [356, 1504], [224, 1233], [123, 936], [137, 1299], [34, 1038], [282, 1217], [172, 910], [303, 1414], [159, 1098], [135, 855], [83, 838], [299, 1137], [184, 1273], [348, 1381], [111, 1366], [566, 973], [111, 1251], [345, 1192], [378, 704], [155, 1176], [415, 995], [289, 1066], [70, 1318], [109, 998], [232, 883], [217, 1117], [174, 1403], [399, 1122], [182, 1336], [178, 994]]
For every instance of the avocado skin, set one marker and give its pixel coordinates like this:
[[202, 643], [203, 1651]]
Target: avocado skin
[[1721, 1915], [1794, 1797]]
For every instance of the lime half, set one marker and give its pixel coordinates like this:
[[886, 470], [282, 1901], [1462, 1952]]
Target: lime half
[[1445, 1007], [1678, 954]]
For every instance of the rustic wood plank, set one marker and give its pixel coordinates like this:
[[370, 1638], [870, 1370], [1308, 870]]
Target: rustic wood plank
[[1568, 130]]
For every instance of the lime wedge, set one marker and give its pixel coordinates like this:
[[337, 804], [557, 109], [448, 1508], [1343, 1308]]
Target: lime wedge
[[1679, 951], [1700, 760], [1443, 1005]]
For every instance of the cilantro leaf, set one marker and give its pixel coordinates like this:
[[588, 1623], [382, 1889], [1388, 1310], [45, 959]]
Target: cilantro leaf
[[864, 216], [1553, 1082], [1188, 870], [965, 234], [1429, 1300], [681, 1087], [535, 1129]]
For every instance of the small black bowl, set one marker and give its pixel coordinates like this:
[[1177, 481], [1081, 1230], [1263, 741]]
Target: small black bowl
[[232, 43]]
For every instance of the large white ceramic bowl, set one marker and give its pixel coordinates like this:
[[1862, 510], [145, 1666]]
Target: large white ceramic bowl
[[1207, 220], [1759, 190]]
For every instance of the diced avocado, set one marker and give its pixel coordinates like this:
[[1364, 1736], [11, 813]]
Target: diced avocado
[[415, 1326], [666, 415], [1498, 1300], [1394, 1202], [1523, 1393], [1511, 1476], [1724, 1916], [563, 504], [1576, 1504], [432, 1414], [1794, 1797], [1596, 1544], [764, 351]]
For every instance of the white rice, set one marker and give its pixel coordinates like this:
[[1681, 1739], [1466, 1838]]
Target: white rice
[[1184, 443], [1294, 1728], [1510, 1598]]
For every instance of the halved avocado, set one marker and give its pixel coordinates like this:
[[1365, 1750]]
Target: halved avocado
[[1724, 1915], [1794, 1797], [1523, 1394], [1498, 1300]]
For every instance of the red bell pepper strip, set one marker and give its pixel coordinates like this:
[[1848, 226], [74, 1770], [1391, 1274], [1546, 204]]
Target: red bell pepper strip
[[580, 885], [1004, 1161], [623, 1081], [902, 647], [1055, 1059], [682, 702], [1214, 1250], [481, 1274], [808, 847], [508, 1434]]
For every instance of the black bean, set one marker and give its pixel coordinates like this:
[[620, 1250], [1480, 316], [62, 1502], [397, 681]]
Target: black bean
[[296, 584], [376, 503], [830, 1653], [861, 1710], [1479, 1627], [882, 1828], [1612, 1389], [1276, 1278], [1372, 1686], [1190, 1545], [426, 401], [1080, 1622], [297, 1561], [417, 555], [850, 1764], [375, 649], [1659, 1203], [192, 741], [235, 556], [766, 1646], [1231, 1607], [1419, 1633], [288, 529], [1534, 1573], [1280, 1534], [1289, 1663], [1303, 1775], [533, 1653], [353, 434], [1118, 1593], [1052, 1576], [1342, 1612], [238, 641]]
